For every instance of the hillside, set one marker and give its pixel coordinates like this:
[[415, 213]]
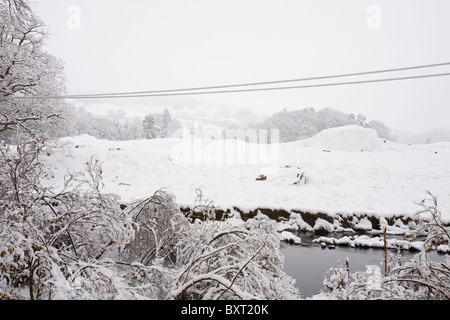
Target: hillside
[[348, 170]]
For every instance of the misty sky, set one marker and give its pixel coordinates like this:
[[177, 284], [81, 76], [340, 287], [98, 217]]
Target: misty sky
[[134, 45]]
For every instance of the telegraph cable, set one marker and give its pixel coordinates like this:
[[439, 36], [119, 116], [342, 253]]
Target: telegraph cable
[[200, 90]]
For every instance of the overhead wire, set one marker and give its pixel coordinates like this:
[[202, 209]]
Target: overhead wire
[[201, 90]]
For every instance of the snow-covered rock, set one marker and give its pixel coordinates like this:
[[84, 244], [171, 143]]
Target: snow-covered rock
[[322, 225], [281, 226], [373, 242], [298, 220], [443, 248], [366, 241], [363, 225], [290, 237]]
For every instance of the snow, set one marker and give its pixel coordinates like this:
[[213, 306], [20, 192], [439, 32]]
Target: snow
[[364, 225], [443, 248], [353, 138], [385, 179], [290, 237], [373, 242], [297, 219], [281, 226], [322, 224]]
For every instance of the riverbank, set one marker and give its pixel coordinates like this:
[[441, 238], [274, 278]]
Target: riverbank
[[353, 231]]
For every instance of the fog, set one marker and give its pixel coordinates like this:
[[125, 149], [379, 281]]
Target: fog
[[118, 46]]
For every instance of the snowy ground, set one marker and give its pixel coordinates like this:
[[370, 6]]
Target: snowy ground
[[348, 170]]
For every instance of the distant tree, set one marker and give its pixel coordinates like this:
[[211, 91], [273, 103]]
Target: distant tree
[[160, 125], [293, 125], [380, 128], [135, 130], [150, 127], [26, 70], [166, 120], [301, 124], [361, 120], [331, 118], [106, 128], [307, 123], [351, 117]]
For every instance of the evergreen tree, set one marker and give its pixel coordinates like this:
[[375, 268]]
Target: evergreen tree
[[150, 127], [166, 120]]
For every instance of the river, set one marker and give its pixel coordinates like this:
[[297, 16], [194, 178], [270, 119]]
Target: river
[[309, 262]]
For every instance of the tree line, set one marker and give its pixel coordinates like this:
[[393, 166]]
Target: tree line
[[302, 124]]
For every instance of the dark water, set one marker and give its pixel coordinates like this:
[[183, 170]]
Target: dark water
[[308, 263]]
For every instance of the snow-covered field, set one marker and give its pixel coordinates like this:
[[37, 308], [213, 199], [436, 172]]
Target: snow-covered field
[[346, 170]]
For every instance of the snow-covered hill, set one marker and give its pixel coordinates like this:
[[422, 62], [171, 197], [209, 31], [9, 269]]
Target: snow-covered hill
[[348, 170]]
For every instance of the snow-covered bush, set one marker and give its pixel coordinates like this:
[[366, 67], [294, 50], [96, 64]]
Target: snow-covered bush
[[421, 277], [200, 258], [156, 230], [338, 280], [428, 223], [81, 243], [220, 260], [45, 234], [343, 285]]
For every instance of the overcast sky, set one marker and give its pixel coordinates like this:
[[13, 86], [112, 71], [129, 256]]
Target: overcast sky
[[134, 45]]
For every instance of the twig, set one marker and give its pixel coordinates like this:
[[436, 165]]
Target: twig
[[245, 265]]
